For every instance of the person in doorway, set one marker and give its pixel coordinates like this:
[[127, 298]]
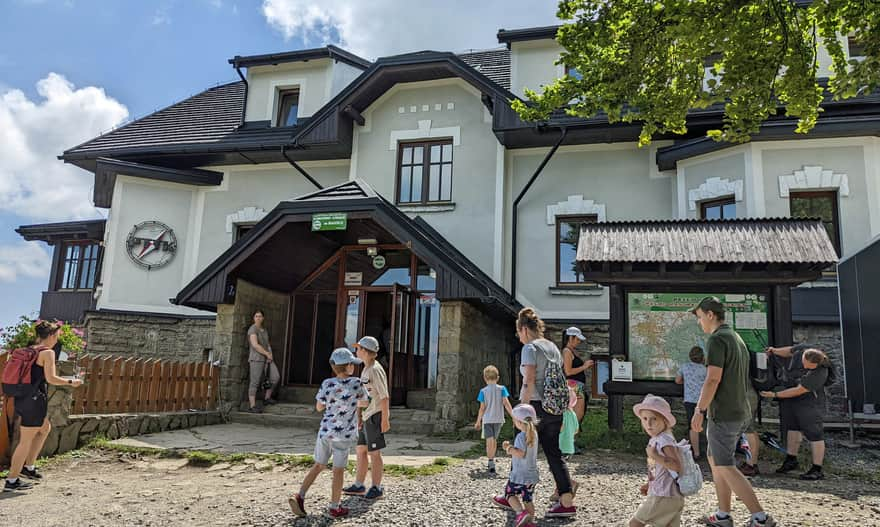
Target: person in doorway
[[575, 368], [261, 363], [33, 409], [537, 353], [663, 501], [493, 399], [802, 407], [376, 421], [723, 400], [692, 375], [339, 398]]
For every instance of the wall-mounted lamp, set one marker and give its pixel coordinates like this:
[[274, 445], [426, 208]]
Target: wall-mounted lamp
[[372, 251], [367, 241]]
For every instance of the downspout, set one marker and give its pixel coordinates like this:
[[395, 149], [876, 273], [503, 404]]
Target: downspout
[[299, 168], [246, 85], [516, 204]]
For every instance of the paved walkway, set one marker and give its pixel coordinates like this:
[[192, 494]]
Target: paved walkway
[[410, 450]]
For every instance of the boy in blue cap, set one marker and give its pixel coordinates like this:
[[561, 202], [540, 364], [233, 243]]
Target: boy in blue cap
[[339, 398]]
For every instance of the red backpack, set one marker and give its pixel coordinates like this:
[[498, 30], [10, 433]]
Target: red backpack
[[17, 373]]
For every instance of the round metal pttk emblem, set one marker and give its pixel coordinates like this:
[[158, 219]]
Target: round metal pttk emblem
[[151, 244]]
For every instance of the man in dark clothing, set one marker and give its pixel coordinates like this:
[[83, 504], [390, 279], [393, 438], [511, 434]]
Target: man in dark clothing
[[802, 404]]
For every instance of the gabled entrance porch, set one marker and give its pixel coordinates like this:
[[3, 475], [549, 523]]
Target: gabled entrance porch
[[439, 319]]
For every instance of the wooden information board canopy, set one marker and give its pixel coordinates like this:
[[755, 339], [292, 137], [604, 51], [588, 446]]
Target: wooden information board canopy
[[763, 257]]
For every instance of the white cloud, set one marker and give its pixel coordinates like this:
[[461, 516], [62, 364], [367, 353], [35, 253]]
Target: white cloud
[[161, 17], [27, 259], [387, 27], [34, 184]]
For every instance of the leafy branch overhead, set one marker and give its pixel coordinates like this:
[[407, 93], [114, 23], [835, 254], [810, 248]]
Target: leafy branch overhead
[[654, 61]]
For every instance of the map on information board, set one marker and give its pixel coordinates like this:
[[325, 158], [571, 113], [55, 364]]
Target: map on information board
[[662, 331]]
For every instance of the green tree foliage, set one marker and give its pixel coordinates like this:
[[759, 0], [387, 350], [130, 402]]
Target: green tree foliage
[[646, 61]]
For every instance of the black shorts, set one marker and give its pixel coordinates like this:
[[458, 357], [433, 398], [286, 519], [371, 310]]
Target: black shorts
[[802, 416], [689, 410], [32, 409], [371, 434]]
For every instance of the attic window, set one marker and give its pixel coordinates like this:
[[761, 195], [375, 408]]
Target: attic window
[[288, 106]]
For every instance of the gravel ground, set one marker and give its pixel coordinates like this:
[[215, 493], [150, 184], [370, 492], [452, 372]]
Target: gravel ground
[[111, 489]]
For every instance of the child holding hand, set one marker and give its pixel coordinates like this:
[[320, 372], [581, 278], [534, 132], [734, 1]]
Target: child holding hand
[[520, 488]]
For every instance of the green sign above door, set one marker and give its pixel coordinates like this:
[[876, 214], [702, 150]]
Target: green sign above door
[[330, 221]]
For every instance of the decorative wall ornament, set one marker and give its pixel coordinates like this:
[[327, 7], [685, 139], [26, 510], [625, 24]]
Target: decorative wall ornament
[[715, 187], [813, 177], [575, 206], [244, 216], [151, 244]]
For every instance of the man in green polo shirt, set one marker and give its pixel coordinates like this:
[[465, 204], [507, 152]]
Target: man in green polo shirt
[[724, 398]]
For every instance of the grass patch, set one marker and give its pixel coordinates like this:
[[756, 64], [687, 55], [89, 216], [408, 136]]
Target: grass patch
[[439, 465]]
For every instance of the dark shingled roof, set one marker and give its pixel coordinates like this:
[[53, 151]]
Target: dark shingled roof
[[758, 241], [67, 230], [207, 117], [493, 63]]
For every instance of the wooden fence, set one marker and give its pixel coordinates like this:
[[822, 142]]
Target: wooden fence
[[132, 385]]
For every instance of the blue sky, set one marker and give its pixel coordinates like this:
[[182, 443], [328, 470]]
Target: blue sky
[[123, 60]]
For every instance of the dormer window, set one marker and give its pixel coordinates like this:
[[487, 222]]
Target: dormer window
[[288, 107]]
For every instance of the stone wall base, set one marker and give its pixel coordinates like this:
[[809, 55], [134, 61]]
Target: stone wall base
[[149, 336]]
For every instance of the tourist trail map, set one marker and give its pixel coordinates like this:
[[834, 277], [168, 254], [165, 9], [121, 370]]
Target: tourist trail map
[[662, 330]]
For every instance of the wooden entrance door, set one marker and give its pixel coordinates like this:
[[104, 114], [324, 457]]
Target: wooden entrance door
[[400, 343]]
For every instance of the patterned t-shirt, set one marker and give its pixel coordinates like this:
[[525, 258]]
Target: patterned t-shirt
[[340, 396], [693, 375]]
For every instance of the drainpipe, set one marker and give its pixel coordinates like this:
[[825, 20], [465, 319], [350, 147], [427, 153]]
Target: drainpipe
[[296, 166], [516, 204], [244, 80]]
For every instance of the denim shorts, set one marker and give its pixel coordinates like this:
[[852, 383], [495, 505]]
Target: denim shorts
[[491, 430], [338, 449]]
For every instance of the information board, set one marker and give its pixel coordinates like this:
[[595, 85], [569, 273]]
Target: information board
[[662, 331]]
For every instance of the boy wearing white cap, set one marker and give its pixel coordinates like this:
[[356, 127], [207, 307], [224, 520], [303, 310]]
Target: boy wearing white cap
[[663, 503], [339, 398], [376, 421]]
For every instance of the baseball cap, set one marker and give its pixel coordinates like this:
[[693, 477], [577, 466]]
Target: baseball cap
[[709, 303], [342, 356], [523, 411], [575, 332], [369, 343]]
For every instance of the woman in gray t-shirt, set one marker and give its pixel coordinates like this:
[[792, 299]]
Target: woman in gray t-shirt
[[536, 353], [260, 354]]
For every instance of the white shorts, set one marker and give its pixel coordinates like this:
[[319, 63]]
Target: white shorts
[[339, 449]]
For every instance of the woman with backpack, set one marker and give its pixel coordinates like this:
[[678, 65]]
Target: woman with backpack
[[802, 407], [545, 388], [32, 404]]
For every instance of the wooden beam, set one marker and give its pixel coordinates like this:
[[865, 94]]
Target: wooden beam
[[698, 267], [320, 270], [354, 114]]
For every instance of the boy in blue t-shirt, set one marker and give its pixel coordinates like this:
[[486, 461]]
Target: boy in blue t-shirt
[[493, 403], [339, 398]]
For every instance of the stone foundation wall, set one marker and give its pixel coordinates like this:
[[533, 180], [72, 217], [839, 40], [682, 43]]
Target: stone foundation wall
[[151, 336], [233, 321], [469, 341]]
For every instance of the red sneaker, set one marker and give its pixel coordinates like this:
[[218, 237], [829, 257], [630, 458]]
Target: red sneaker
[[297, 505], [523, 519], [338, 512], [560, 511], [501, 501]]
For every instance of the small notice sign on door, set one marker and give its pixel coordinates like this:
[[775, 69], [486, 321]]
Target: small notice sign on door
[[354, 279], [330, 221]]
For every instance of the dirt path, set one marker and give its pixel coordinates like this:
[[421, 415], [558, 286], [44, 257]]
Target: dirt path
[[111, 489]]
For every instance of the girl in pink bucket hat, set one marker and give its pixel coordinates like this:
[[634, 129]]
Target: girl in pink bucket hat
[[663, 501]]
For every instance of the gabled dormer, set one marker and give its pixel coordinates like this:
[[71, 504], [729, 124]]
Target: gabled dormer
[[283, 89], [533, 56]]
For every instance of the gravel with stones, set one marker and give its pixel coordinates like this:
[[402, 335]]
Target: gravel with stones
[[112, 489]]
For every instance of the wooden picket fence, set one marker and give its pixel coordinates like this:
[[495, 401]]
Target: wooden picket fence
[[137, 385]]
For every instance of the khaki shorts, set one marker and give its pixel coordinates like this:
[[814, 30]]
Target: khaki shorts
[[661, 511]]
